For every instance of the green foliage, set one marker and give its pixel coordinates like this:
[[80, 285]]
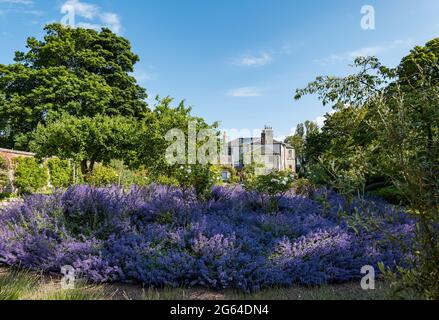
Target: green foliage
[[101, 139], [126, 177], [87, 140], [405, 284], [216, 174], [301, 143], [30, 176], [142, 177], [391, 194], [152, 143], [304, 187], [273, 185], [200, 178], [61, 172], [4, 179], [103, 176], [77, 71], [386, 127], [5, 196], [165, 181], [421, 58], [249, 174]]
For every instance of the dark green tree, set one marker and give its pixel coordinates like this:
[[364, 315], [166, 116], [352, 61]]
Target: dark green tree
[[304, 153], [398, 131], [81, 72]]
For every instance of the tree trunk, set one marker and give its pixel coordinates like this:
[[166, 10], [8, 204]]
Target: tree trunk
[[84, 167]]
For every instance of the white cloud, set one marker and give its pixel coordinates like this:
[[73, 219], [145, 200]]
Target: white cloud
[[20, 6], [34, 12], [320, 121], [245, 92], [23, 2], [94, 14], [144, 76], [253, 60], [349, 56]]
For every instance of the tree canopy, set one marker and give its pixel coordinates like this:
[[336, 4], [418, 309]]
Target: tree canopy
[[386, 123], [77, 71]]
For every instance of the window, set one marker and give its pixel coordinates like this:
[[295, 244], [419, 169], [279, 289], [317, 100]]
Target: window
[[225, 175]]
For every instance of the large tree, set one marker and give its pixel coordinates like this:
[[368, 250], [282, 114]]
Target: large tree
[[155, 126], [81, 72], [304, 132], [398, 130], [138, 142], [88, 140]]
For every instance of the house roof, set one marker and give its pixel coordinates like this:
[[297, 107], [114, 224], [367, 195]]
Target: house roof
[[257, 141]]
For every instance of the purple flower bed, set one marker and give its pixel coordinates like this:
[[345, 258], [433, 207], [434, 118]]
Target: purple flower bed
[[108, 234]]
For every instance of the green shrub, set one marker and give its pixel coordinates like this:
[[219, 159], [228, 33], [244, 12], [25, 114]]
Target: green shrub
[[199, 177], [273, 185], [6, 196], [141, 178], [61, 172], [126, 177], [4, 179], [30, 176], [304, 187], [103, 176], [217, 171], [77, 176], [391, 195], [165, 181]]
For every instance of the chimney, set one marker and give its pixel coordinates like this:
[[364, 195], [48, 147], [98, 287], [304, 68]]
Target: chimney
[[225, 137], [267, 135]]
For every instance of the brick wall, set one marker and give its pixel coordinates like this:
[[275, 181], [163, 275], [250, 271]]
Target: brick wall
[[11, 154]]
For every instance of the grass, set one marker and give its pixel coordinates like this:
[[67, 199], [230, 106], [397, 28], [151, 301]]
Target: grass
[[15, 285], [350, 291], [23, 285], [165, 294], [77, 294]]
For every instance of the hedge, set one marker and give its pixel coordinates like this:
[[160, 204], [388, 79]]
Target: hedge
[[30, 176], [61, 172], [3, 173]]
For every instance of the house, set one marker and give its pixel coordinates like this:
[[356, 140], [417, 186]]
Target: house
[[271, 154]]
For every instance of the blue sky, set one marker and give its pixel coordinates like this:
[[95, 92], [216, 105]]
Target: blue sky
[[237, 61]]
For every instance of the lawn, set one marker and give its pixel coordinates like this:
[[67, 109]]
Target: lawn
[[24, 285]]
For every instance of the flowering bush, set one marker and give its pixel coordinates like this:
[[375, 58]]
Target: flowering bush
[[273, 185], [109, 234]]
